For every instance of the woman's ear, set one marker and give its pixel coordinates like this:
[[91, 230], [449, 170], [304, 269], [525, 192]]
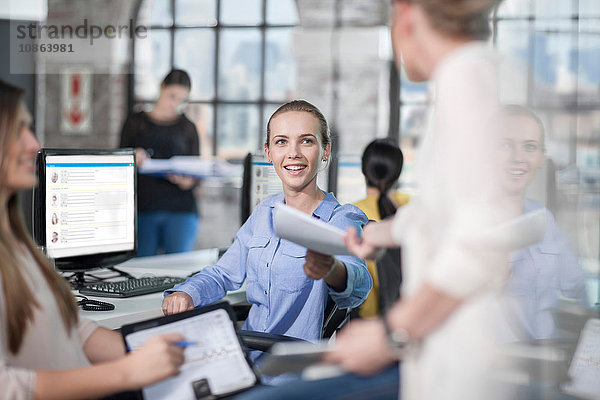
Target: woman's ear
[[267, 153], [327, 152]]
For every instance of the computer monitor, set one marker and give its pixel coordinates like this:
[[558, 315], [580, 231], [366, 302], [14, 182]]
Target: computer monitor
[[259, 182], [84, 207]]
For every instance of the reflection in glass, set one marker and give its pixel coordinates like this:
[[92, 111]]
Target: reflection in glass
[[152, 63], [196, 13], [202, 116], [515, 8], [241, 12], [588, 79], [240, 64], [589, 8], [194, 53], [280, 65], [238, 130], [513, 43], [554, 72], [558, 124], [553, 8], [282, 12]]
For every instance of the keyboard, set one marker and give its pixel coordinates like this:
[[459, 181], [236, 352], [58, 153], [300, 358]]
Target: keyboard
[[131, 287]]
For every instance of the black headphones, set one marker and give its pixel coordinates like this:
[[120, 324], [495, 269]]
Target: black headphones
[[94, 305]]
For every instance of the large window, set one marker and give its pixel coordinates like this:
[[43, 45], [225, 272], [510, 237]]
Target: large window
[[239, 56], [557, 46]]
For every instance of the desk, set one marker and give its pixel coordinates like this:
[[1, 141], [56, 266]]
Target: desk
[[139, 308]]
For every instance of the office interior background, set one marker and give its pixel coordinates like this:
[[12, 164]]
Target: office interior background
[[246, 57]]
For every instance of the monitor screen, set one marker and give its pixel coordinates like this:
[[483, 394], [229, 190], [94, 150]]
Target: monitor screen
[[85, 207]]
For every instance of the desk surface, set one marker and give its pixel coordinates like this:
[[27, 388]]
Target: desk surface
[[139, 308]]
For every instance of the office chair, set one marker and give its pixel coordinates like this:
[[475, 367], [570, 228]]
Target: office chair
[[334, 319]]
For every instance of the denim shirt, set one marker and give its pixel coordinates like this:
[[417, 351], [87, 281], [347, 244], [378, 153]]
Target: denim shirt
[[539, 274], [284, 300]]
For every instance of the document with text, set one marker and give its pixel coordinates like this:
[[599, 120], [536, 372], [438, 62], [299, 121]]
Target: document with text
[[215, 364]]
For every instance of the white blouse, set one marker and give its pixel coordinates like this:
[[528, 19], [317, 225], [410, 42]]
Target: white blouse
[[439, 227], [47, 344]]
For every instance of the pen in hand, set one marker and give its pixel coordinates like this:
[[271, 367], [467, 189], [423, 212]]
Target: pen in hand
[[185, 343], [181, 343]]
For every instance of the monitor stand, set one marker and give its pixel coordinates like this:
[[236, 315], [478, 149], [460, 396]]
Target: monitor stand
[[81, 278], [77, 280]]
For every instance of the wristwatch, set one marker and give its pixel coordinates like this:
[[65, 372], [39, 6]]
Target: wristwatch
[[398, 340]]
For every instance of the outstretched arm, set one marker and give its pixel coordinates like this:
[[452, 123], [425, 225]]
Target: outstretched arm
[[157, 359], [375, 236], [417, 316]]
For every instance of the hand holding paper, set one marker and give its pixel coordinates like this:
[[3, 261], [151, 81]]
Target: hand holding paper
[[309, 232]]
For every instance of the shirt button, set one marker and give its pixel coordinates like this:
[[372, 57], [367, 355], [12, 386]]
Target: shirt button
[[267, 265], [265, 292]]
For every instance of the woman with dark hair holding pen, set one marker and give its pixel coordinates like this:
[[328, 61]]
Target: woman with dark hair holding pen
[[167, 211], [46, 350]]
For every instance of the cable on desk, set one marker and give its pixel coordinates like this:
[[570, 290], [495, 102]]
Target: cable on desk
[[94, 305]]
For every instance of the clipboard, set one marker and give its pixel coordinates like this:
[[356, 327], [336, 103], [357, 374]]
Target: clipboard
[[216, 366]]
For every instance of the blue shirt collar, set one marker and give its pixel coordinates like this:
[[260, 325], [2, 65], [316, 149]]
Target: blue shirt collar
[[323, 211]]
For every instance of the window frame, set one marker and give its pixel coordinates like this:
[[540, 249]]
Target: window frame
[[217, 100]]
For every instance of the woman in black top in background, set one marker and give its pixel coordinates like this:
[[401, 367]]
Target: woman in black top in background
[[167, 211]]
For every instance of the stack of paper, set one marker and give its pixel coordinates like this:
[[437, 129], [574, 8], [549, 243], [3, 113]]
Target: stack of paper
[[190, 166]]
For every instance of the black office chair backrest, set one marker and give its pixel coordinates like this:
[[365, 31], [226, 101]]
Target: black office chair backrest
[[389, 272], [334, 318]]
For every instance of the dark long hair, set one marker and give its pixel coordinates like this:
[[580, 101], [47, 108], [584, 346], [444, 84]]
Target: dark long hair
[[177, 77], [19, 299], [381, 165]]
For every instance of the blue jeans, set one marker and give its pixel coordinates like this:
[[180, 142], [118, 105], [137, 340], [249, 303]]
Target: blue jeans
[[382, 386], [172, 232]]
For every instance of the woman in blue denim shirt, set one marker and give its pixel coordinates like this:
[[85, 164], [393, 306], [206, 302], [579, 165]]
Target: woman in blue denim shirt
[[549, 268], [287, 284]]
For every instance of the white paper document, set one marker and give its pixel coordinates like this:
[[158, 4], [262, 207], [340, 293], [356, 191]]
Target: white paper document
[[189, 165], [520, 232], [217, 357], [309, 232], [585, 365], [293, 357]]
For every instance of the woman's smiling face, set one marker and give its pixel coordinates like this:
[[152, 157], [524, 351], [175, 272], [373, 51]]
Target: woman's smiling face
[[520, 153], [295, 149], [20, 171]]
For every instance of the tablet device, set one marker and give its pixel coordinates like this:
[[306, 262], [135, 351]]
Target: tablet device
[[216, 364]]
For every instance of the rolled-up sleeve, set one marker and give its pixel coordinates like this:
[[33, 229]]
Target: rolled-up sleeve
[[359, 282]]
